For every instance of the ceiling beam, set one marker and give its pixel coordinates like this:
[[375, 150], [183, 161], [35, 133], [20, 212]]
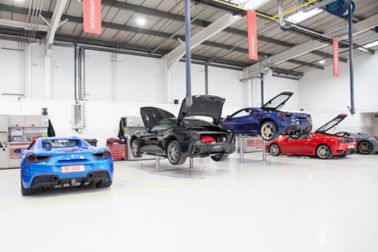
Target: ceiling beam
[[201, 23], [22, 25], [136, 50], [308, 46], [176, 54], [128, 28]]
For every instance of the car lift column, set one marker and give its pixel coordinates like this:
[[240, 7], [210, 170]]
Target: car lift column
[[262, 104]]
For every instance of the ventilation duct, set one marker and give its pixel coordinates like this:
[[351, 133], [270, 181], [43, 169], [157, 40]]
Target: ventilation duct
[[340, 8]]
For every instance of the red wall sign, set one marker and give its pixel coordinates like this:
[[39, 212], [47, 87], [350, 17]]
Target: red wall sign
[[92, 16], [335, 56], [252, 35]]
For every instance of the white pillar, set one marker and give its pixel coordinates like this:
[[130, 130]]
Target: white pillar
[[47, 77]]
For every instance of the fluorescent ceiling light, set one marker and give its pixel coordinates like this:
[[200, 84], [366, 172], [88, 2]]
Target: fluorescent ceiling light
[[372, 44], [302, 16], [253, 4], [141, 21], [322, 61]]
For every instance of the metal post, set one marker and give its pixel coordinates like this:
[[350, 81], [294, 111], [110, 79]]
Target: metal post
[[241, 149], [352, 108], [206, 79], [157, 164], [263, 150], [190, 165], [188, 56], [262, 88]]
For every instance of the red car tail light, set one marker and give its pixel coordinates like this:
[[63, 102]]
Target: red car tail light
[[104, 155], [32, 158], [376, 137], [208, 139]]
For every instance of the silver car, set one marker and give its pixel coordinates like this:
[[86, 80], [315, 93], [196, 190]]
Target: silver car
[[366, 143]]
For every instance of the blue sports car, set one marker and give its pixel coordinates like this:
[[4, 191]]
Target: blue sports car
[[268, 121], [60, 162]]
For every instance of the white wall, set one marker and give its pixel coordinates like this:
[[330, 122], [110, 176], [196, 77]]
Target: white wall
[[325, 96], [116, 85]]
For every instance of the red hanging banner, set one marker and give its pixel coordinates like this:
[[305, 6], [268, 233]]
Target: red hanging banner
[[335, 56], [252, 35], [92, 16]]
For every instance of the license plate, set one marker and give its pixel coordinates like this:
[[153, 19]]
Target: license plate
[[72, 168], [351, 146]]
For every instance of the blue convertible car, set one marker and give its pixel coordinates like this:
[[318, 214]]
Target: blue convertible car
[[61, 162], [268, 121]]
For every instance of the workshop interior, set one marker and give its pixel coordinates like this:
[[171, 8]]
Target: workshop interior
[[189, 125]]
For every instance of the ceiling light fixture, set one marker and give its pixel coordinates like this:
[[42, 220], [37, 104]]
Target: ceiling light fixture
[[372, 44], [253, 4], [322, 61], [301, 16], [141, 21]]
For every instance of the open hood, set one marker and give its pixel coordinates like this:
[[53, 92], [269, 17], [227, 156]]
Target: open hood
[[331, 124], [151, 116], [278, 101], [203, 105]]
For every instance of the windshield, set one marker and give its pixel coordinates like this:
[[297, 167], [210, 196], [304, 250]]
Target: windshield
[[61, 143], [278, 102]]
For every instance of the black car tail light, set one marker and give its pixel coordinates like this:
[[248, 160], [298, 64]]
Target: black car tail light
[[208, 139], [32, 158], [104, 155]]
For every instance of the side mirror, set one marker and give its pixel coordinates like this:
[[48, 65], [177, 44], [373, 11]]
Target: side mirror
[[228, 117], [18, 151]]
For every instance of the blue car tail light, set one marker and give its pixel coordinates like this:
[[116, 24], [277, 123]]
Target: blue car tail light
[[104, 155], [32, 158]]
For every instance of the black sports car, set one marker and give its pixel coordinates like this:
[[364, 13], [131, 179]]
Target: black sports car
[[185, 136]]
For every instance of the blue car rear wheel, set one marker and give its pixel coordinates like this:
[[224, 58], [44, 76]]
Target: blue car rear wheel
[[268, 130]]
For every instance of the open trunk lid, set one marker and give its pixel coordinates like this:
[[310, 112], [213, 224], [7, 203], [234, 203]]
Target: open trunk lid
[[331, 124], [278, 101], [203, 105]]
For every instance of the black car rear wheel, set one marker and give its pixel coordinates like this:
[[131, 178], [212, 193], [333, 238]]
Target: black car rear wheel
[[365, 148], [268, 131], [27, 191], [174, 153], [220, 157], [104, 183], [323, 152], [135, 149], [274, 150]]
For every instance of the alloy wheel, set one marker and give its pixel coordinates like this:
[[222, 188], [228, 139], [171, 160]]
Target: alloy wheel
[[173, 152], [268, 131], [364, 148], [323, 152], [274, 150]]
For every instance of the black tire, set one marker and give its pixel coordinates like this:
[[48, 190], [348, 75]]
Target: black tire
[[27, 191], [323, 152], [174, 153], [274, 150], [104, 183], [219, 158], [135, 148], [268, 130], [365, 148]]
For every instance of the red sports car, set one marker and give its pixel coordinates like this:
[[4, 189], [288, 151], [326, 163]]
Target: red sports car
[[319, 143]]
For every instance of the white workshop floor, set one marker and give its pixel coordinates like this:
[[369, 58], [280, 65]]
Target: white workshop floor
[[286, 204]]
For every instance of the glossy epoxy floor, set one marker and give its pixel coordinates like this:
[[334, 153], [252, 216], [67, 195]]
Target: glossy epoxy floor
[[285, 204]]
